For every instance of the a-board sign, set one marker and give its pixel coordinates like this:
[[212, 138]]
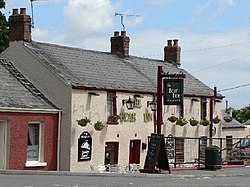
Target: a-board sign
[[157, 154], [84, 147]]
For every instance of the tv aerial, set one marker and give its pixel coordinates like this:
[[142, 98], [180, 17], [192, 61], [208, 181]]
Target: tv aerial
[[32, 12], [126, 15]]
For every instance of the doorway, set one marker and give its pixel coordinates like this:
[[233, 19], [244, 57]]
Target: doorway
[[3, 144], [134, 151], [111, 153]]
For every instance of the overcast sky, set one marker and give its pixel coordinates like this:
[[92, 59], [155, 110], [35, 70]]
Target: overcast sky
[[214, 35]]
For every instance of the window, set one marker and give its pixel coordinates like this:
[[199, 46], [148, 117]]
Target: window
[[35, 145], [111, 104], [203, 108], [179, 111]]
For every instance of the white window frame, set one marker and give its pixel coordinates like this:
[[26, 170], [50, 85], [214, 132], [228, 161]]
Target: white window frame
[[40, 161]]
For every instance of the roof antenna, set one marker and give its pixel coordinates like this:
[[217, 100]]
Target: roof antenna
[[122, 15], [32, 12]]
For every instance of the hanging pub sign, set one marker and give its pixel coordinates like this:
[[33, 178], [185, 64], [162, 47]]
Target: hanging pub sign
[[173, 91], [84, 146]]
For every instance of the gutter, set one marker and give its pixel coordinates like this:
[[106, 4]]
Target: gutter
[[22, 110], [139, 91]]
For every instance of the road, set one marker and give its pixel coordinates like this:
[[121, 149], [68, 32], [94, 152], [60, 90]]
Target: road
[[14, 180]]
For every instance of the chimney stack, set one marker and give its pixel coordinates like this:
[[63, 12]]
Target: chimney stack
[[20, 26], [120, 44], [172, 52]]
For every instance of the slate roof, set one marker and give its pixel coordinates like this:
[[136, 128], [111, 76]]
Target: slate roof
[[18, 93], [232, 124], [247, 122], [103, 70]]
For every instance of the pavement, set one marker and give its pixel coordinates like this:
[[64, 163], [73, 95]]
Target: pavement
[[225, 171]]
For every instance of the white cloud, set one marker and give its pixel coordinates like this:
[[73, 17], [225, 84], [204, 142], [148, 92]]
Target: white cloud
[[44, 35], [160, 3], [88, 18], [207, 12]]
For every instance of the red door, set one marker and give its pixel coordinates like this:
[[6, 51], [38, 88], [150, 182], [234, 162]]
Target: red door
[[134, 151]]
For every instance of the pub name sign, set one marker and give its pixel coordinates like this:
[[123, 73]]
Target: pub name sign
[[173, 91]]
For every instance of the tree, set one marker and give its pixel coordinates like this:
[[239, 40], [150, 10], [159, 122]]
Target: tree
[[4, 30], [242, 115]]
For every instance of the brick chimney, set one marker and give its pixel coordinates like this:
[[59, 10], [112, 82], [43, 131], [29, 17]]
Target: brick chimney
[[120, 44], [20, 26], [172, 52]]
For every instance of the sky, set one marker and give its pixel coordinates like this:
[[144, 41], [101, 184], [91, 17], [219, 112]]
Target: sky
[[214, 35]]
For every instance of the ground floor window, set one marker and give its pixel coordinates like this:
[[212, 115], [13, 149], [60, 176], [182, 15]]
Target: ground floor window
[[179, 150], [35, 143]]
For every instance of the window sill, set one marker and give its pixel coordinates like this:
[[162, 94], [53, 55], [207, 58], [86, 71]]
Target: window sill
[[112, 123], [35, 164]]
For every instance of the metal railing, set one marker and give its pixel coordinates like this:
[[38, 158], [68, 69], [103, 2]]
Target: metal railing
[[188, 151]]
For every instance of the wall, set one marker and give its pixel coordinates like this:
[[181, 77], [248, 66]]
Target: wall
[[191, 110], [52, 86], [235, 132], [18, 127], [85, 105]]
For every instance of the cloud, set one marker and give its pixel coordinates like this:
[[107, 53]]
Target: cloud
[[160, 3], [45, 35], [206, 12], [88, 18]]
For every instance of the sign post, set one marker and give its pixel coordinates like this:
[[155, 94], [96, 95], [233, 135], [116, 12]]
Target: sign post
[[173, 94]]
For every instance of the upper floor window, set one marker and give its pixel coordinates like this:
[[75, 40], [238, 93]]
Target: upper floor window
[[179, 111], [111, 108], [203, 108], [111, 103]]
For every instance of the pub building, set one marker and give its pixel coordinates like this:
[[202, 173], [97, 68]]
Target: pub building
[[108, 99]]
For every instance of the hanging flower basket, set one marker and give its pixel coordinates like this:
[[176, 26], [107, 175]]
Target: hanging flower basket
[[113, 119], [205, 122], [99, 125], [172, 119], [216, 120], [193, 122], [83, 122], [228, 119], [181, 121]]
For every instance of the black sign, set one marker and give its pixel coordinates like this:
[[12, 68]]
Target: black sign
[[170, 145], [173, 91], [84, 146], [157, 153]]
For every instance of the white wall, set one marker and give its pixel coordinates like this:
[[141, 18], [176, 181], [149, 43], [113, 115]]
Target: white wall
[[94, 108]]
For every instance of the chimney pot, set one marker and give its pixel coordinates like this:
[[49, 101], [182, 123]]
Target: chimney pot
[[20, 26], [120, 44], [116, 33], [175, 42], [169, 42], [172, 52], [23, 11], [123, 33], [15, 12]]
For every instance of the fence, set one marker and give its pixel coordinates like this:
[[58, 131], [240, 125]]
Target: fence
[[187, 152]]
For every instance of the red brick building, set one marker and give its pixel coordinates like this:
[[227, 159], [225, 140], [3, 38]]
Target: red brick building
[[28, 124]]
